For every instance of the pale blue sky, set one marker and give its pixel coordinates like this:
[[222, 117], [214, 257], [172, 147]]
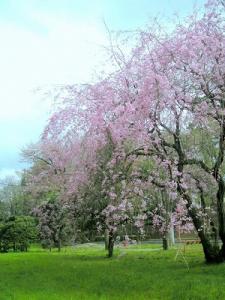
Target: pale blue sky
[[45, 42]]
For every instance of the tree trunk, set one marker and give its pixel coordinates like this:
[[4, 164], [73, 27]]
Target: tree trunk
[[165, 243], [221, 217], [171, 235], [59, 245], [106, 239], [111, 244], [211, 251]]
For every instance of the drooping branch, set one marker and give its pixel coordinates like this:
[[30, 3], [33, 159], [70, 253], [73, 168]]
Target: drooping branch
[[197, 162]]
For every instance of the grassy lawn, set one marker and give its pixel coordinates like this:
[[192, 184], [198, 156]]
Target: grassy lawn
[[134, 273]]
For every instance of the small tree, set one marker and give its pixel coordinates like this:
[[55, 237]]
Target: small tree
[[52, 225]]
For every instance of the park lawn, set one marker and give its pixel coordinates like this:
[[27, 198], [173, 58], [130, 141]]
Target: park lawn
[[85, 273]]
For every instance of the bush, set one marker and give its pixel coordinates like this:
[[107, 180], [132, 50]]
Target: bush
[[17, 233]]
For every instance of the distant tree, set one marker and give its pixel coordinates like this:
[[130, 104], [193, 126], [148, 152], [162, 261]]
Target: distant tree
[[15, 200]]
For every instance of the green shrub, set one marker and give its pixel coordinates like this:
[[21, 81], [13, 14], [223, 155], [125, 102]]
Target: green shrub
[[17, 233]]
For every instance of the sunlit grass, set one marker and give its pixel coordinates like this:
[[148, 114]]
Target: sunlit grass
[[85, 273]]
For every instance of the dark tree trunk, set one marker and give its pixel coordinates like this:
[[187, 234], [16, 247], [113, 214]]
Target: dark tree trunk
[[220, 212], [222, 251], [211, 250], [111, 244], [165, 243], [213, 253], [106, 239], [59, 245]]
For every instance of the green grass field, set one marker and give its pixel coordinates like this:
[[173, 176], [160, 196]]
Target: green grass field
[[139, 272]]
